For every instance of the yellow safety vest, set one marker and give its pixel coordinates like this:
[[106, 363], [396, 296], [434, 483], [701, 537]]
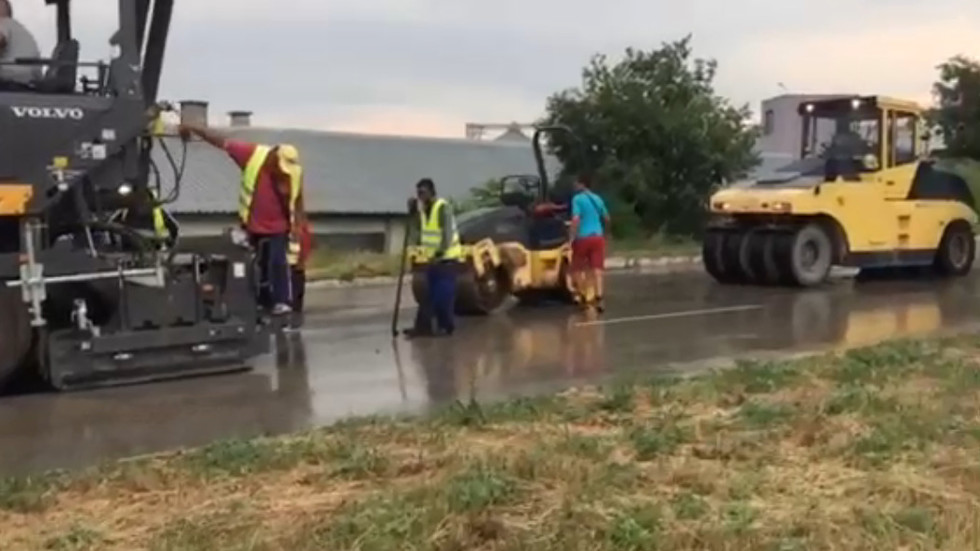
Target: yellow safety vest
[[159, 222], [250, 177], [431, 232]]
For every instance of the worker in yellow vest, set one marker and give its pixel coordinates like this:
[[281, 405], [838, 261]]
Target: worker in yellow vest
[[270, 204], [439, 239]]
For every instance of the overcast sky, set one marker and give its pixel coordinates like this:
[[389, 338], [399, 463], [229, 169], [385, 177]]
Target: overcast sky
[[429, 66]]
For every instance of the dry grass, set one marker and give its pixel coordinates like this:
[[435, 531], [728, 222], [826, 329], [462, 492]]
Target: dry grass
[[875, 449]]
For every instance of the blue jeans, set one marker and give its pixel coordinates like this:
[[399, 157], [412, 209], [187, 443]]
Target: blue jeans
[[441, 282], [275, 267]]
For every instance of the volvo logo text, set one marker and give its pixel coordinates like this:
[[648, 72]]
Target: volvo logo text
[[48, 112]]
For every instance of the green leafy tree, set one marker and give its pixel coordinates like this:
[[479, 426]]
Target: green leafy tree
[[486, 195], [655, 135], [957, 114]]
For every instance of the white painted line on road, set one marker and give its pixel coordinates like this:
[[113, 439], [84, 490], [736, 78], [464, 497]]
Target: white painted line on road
[[668, 315]]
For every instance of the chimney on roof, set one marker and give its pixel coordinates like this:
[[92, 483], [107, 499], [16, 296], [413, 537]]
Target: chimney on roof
[[239, 118], [194, 112]]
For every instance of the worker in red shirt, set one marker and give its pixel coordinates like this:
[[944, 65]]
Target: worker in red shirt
[[270, 205]]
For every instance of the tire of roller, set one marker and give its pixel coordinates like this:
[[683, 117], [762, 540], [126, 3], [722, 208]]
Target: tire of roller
[[749, 243], [720, 254], [474, 299], [815, 234], [760, 258], [732, 254], [468, 301], [778, 258], [944, 263], [711, 257]]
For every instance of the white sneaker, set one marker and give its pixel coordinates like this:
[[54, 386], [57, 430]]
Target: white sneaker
[[281, 309]]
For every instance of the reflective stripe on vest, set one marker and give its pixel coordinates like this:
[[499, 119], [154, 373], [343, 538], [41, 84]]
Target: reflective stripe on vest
[[431, 232], [250, 178]]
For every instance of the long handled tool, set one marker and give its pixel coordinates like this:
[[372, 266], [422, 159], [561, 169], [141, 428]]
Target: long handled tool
[[401, 279]]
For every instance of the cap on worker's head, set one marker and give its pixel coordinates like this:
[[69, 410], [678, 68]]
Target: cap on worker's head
[[288, 158]]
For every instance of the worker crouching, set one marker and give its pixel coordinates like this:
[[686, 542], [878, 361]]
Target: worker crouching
[[438, 238]]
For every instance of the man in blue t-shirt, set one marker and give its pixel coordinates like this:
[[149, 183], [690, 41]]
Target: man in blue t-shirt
[[590, 221]]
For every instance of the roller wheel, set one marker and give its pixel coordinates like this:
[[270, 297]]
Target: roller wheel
[[749, 246], [711, 254], [733, 252], [810, 255], [15, 335], [720, 252], [957, 250], [480, 295], [777, 252], [760, 259]]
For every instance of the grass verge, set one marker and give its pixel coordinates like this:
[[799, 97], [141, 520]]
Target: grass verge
[[658, 246], [874, 449]]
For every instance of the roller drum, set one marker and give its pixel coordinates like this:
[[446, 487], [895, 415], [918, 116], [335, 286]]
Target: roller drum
[[474, 296]]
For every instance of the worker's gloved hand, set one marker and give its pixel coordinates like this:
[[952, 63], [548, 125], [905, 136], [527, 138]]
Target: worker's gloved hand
[[413, 204]]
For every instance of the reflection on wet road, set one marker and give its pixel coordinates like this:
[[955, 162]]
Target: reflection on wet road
[[345, 362]]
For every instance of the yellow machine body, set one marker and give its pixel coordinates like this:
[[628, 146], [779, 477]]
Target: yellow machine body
[[490, 272], [895, 210]]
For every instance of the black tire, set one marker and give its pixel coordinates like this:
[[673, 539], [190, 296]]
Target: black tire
[[732, 253], [811, 255], [957, 251], [711, 255], [777, 250], [748, 253], [720, 253], [760, 259], [16, 336]]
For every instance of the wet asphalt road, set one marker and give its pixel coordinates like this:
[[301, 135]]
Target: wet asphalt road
[[345, 362]]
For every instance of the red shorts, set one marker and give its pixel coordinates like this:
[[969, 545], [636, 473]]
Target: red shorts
[[589, 253]]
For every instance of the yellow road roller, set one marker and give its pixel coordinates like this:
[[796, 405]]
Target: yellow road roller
[[518, 248], [862, 194]]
